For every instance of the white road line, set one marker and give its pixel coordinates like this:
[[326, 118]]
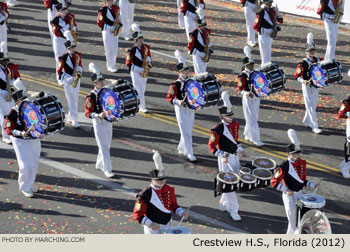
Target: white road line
[[119, 188], [169, 56]]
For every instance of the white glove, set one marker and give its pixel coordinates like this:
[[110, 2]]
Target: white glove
[[68, 81], [149, 60]]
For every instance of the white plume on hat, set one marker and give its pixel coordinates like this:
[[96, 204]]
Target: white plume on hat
[[226, 99], [158, 162], [247, 52], [94, 69], [293, 138], [310, 38], [69, 36], [135, 28], [349, 73], [3, 48], [18, 84], [179, 56]]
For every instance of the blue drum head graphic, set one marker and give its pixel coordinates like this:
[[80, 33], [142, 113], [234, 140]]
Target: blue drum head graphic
[[260, 84], [318, 75], [195, 93], [30, 114], [110, 103]]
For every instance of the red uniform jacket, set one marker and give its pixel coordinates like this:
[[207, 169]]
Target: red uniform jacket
[[131, 58], [4, 7], [12, 122], [323, 7], [48, 3], [186, 6], [91, 105], [219, 141], [146, 208], [57, 24], [102, 17], [64, 67], [345, 107], [304, 67], [176, 91], [195, 42], [261, 22]]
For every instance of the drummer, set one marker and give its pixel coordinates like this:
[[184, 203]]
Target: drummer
[[310, 92], [224, 144], [26, 148], [156, 202], [290, 179], [103, 129], [184, 113]]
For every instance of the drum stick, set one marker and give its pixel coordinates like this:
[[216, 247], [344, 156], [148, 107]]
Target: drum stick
[[178, 225], [316, 188]]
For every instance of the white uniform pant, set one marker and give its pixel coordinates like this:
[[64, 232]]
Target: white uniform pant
[[127, 16], [180, 18], [161, 229], [251, 115], [332, 34], [103, 134], [190, 23], [72, 96], [185, 120], [345, 166], [310, 99], [5, 107], [265, 44], [58, 48], [229, 201], [111, 48], [291, 210], [249, 13], [198, 64], [51, 15], [140, 85], [28, 155], [3, 33]]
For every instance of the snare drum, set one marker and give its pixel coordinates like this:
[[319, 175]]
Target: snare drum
[[333, 72], [275, 77], [263, 162], [247, 182], [120, 100], [245, 170], [179, 230], [46, 113], [263, 177], [308, 202], [205, 90], [226, 182]]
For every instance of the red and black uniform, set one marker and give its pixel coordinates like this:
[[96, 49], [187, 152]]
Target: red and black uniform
[[49, 4], [91, 104], [177, 91], [197, 40], [244, 82], [156, 205], [291, 175], [243, 2], [190, 6], [303, 69], [221, 141], [106, 16], [264, 19], [136, 55], [345, 107], [67, 64], [59, 25], [3, 6], [325, 8], [11, 69], [13, 125]]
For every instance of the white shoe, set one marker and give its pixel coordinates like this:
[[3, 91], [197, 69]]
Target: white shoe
[[34, 189], [251, 44], [7, 141], [75, 124], [235, 216], [316, 130], [112, 69], [258, 143], [191, 158], [27, 194], [109, 174], [142, 110], [247, 138]]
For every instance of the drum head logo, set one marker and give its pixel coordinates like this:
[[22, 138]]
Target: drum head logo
[[110, 102], [228, 177], [32, 117], [195, 92], [318, 74], [260, 82], [312, 199], [177, 231]]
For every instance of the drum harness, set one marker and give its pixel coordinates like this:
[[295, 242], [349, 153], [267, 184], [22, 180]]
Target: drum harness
[[310, 64]]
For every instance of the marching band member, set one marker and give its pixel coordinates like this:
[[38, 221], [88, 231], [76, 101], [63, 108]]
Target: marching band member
[[27, 148], [180, 15], [4, 15], [250, 9], [327, 11], [184, 114], [250, 100], [156, 202], [138, 62], [344, 112], [127, 17], [224, 144], [290, 179], [198, 43], [69, 73], [264, 24], [310, 92], [62, 25], [9, 77], [108, 20], [189, 8], [103, 129]]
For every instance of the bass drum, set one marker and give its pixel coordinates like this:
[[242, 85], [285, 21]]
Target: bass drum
[[46, 113], [203, 91], [275, 77], [333, 72], [120, 100]]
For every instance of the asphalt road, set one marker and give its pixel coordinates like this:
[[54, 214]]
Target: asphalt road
[[75, 198]]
